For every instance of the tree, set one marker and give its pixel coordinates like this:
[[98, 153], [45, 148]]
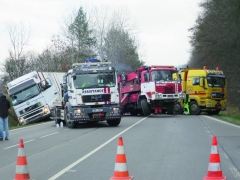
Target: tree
[[121, 50], [17, 63], [215, 41], [81, 37]]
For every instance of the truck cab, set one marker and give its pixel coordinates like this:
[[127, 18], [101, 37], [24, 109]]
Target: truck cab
[[150, 89], [207, 89], [93, 95], [31, 96]]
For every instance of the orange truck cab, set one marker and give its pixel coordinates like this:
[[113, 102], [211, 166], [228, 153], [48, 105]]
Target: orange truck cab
[[207, 90]]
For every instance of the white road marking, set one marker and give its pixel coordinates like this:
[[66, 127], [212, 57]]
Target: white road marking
[[49, 135], [18, 144], [92, 152], [224, 122], [31, 126]]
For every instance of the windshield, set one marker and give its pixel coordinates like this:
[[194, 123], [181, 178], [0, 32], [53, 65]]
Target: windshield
[[104, 79], [24, 94], [162, 75], [216, 81]]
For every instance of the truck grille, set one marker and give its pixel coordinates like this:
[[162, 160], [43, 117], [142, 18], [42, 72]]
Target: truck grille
[[33, 113], [96, 98], [165, 89], [217, 95], [29, 108]]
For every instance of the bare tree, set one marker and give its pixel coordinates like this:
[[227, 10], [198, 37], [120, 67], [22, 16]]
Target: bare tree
[[17, 64]]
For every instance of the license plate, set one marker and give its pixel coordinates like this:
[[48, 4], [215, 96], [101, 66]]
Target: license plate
[[96, 115], [97, 110]]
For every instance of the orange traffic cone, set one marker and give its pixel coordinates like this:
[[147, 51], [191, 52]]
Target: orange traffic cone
[[214, 167], [21, 168], [120, 171]]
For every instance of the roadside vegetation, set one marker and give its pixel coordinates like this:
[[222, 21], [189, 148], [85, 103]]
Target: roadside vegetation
[[231, 115]]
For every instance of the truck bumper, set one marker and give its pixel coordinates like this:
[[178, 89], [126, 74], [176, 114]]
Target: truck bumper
[[80, 114], [159, 96], [32, 119], [213, 105]]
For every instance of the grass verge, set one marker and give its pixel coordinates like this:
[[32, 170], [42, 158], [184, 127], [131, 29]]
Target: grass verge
[[231, 115]]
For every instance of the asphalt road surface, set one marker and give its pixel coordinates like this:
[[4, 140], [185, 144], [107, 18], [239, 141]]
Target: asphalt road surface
[[156, 147]]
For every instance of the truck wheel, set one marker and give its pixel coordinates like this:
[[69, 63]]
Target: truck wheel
[[178, 108], [170, 108], [114, 122], [70, 124], [194, 108], [145, 108]]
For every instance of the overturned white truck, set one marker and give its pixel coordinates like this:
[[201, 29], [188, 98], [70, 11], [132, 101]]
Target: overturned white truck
[[32, 95]]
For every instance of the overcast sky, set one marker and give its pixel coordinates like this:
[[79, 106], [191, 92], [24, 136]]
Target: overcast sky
[[162, 24]]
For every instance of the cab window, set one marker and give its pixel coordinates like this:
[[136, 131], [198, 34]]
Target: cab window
[[196, 81], [146, 77]]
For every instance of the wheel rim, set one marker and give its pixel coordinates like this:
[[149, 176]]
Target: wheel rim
[[194, 107], [177, 107]]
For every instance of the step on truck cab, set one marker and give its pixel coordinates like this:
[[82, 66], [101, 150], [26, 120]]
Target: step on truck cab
[[207, 90], [32, 95], [91, 95], [149, 89]]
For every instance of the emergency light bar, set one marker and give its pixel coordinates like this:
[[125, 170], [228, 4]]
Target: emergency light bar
[[75, 65]]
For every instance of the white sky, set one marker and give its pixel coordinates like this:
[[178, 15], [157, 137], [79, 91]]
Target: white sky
[[162, 24]]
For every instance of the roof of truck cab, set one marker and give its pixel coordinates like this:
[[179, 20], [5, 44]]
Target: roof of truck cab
[[21, 79]]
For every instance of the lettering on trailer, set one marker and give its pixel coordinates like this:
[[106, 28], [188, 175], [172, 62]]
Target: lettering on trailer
[[86, 91]]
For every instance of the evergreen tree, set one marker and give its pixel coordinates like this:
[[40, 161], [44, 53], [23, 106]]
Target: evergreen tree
[[121, 50], [82, 37]]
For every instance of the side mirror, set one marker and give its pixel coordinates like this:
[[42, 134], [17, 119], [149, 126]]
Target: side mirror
[[65, 88], [180, 77]]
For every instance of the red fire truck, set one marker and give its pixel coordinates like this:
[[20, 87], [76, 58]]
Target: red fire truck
[[149, 89]]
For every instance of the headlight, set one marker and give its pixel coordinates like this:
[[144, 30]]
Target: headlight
[[45, 110], [115, 109], [20, 120], [77, 111], [182, 95], [158, 96]]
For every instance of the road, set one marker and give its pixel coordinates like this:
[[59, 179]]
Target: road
[[156, 147]]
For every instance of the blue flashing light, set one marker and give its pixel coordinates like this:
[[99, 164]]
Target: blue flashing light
[[92, 60]]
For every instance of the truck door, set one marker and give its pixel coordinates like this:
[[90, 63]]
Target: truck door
[[145, 86]]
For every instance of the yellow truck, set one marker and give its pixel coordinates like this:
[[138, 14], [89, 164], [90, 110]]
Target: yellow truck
[[207, 90]]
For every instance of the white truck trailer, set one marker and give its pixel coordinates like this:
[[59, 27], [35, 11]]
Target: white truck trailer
[[32, 95], [93, 95]]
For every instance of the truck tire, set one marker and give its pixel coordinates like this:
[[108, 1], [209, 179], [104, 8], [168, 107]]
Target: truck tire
[[70, 124], [178, 108], [114, 122], [194, 108], [145, 108], [170, 108]]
